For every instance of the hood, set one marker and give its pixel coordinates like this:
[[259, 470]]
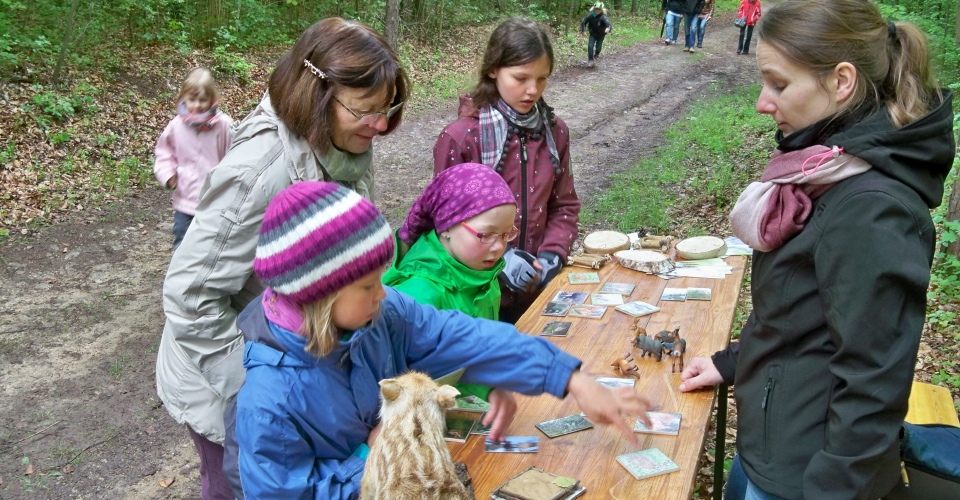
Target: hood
[[919, 154], [429, 260], [301, 159], [466, 107]]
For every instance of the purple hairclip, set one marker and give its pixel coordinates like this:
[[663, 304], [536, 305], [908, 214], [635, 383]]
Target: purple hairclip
[[315, 70]]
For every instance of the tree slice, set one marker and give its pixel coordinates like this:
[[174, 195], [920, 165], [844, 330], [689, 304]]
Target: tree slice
[[601, 242], [701, 247], [646, 261]]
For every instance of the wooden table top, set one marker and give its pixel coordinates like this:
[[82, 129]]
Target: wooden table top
[[590, 455]]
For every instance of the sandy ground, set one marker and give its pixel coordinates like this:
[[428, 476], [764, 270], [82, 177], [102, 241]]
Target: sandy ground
[[83, 316]]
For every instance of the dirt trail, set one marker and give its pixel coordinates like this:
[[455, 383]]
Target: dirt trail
[[78, 341]]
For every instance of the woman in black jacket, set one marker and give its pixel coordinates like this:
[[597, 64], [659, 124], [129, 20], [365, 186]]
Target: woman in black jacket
[[843, 243]]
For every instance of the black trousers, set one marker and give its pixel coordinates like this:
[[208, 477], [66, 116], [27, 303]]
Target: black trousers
[[745, 47]]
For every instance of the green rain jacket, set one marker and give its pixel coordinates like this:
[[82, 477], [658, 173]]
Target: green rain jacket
[[432, 276]]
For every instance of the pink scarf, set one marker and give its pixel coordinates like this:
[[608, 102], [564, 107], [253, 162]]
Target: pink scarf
[[770, 212], [282, 311], [201, 121]]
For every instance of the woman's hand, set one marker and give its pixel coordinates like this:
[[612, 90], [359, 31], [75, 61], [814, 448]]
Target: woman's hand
[[605, 407], [374, 434], [700, 372], [503, 407], [172, 182]]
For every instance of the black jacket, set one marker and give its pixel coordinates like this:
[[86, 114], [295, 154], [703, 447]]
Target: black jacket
[[692, 6], [675, 6], [824, 365], [598, 24]]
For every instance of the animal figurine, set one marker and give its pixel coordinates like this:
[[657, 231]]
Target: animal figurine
[[649, 346], [410, 459], [626, 366], [675, 347]]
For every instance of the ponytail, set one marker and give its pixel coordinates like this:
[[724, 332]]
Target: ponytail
[[911, 83]]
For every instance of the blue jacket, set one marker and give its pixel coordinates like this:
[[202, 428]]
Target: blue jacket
[[300, 419]]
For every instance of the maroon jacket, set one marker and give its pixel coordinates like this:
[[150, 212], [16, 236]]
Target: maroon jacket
[[546, 201]]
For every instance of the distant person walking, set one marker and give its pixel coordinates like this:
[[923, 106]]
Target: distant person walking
[[673, 14], [599, 26], [192, 144], [700, 23], [749, 11], [691, 9]]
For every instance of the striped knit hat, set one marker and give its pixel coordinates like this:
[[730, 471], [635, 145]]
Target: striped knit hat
[[318, 237]]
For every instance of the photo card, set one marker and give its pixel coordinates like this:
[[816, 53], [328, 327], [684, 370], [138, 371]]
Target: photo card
[[556, 309], [606, 299], [472, 403], [663, 423], [581, 278], [647, 463], [699, 294], [457, 429], [637, 308], [537, 484], [512, 444], [563, 426], [571, 297], [621, 288], [587, 311], [614, 382], [479, 428], [678, 294], [556, 329]]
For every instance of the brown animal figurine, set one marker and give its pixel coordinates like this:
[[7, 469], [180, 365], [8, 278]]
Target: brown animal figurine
[[675, 347], [626, 366], [410, 459]]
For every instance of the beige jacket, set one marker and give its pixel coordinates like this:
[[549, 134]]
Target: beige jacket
[[210, 279]]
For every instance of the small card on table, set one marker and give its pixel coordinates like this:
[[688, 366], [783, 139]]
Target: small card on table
[[637, 308], [581, 278], [663, 423], [647, 463], [606, 299], [556, 329], [571, 297], [563, 426], [556, 309], [471, 403], [614, 382], [699, 294], [679, 294], [479, 428], [621, 288], [587, 311], [457, 429], [513, 444]]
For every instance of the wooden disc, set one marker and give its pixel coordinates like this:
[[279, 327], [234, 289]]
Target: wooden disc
[[602, 242], [646, 261], [701, 247]]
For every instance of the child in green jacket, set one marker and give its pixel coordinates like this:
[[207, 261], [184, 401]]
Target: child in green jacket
[[457, 232]]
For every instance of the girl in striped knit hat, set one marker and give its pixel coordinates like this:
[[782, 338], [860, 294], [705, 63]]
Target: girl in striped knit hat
[[326, 332]]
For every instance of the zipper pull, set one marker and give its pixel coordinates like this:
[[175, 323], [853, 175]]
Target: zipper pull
[[766, 394], [523, 147], [903, 474]]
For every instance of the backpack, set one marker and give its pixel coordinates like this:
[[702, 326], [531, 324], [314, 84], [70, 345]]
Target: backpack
[[930, 461]]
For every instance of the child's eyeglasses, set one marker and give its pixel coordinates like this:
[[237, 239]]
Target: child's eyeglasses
[[370, 118], [489, 238]]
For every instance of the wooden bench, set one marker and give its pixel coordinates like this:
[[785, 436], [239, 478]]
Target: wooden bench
[[931, 404]]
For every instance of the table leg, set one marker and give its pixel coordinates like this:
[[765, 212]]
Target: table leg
[[721, 442]]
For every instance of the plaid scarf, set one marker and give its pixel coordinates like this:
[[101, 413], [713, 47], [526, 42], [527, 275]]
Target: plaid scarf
[[201, 121], [494, 121]]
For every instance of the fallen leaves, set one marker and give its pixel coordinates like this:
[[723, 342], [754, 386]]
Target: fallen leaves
[[29, 470], [167, 481]]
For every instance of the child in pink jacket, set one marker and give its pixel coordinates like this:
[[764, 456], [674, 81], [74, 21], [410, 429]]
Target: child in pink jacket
[[193, 143]]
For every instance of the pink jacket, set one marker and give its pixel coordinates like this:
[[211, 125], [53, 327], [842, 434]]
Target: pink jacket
[[190, 154], [750, 10], [549, 204]]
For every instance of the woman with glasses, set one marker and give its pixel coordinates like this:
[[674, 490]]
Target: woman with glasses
[[336, 89], [457, 232]]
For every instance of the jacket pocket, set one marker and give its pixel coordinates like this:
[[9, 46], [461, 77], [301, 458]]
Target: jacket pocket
[[767, 405]]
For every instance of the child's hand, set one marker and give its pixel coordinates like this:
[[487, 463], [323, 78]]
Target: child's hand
[[374, 434], [700, 372], [172, 182], [606, 30], [604, 406], [503, 407]]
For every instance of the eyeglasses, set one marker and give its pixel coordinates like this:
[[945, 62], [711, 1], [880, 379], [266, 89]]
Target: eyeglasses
[[369, 119], [489, 238]]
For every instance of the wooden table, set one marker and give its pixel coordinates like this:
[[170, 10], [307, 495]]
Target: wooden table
[[590, 455]]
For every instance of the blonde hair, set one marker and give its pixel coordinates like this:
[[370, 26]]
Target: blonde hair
[[200, 80], [892, 60], [318, 327]]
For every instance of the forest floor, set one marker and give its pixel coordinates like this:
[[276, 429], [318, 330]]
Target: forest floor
[[78, 407]]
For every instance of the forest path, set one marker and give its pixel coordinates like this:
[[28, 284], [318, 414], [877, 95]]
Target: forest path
[[83, 314]]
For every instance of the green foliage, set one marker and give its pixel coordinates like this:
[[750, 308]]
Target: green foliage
[[708, 152], [937, 18], [231, 63], [49, 105]]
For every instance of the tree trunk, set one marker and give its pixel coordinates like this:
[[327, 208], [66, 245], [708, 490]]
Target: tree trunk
[[956, 33], [391, 24], [617, 4], [633, 7], [214, 18], [65, 44], [953, 213]]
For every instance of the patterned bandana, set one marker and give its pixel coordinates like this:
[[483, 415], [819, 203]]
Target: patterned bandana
[[494, 123], [453, 196], [201, 121]]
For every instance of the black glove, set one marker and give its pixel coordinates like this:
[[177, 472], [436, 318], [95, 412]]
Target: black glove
[[551, 264], [519, 272]]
